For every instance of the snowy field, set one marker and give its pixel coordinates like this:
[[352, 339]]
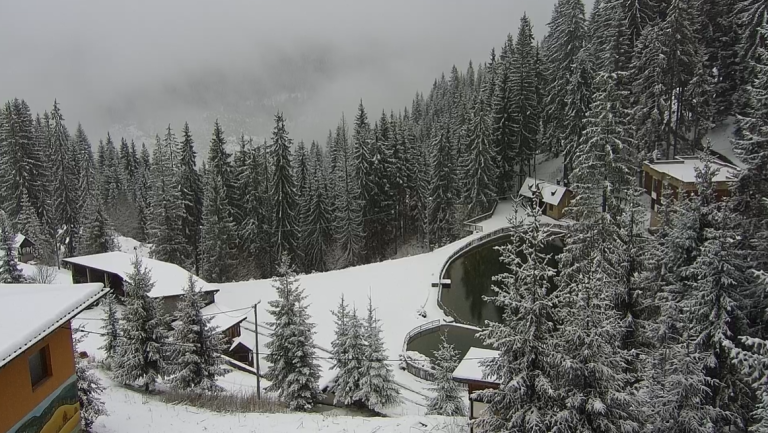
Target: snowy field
[[133, 412], [399, 289]]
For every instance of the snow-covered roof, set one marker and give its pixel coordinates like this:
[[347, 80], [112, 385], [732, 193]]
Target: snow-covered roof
[[469, 369], [222, 316], [29, 312], [550, 193], [19, 239], [684, 168], [169, 279]]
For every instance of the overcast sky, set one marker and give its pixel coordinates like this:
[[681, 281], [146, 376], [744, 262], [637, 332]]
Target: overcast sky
[[149, 63]]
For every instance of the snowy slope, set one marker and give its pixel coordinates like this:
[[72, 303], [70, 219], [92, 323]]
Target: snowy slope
[[721, 137]]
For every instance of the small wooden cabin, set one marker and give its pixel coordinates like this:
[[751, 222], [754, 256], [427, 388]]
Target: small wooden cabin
[[470, 372], [25, 249], [679, 174], [553, 200]]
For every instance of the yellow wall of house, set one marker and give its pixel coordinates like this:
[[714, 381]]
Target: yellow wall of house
[[17, 398]]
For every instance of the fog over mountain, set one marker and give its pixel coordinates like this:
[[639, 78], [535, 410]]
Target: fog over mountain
[[133, 67]]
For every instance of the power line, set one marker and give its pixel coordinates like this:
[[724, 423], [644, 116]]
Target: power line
[[204, 315], [328, 358]]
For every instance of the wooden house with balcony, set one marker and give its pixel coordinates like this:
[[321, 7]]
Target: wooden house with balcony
[[679, 174]]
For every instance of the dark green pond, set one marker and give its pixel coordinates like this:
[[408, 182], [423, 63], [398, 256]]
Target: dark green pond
[[471, 276]]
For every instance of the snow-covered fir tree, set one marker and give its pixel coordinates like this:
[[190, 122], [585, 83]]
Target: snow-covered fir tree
[[751, 145], [89, 388], [348, 215], [142, 353], [65, 203], [441, 207], [195, 358], [448, 399], [348, 355], [531, 394], [316, 215], [479, 167], [282, 192], [524, 103], [109, 327], [166, 210], [565, 40], [9, 267], [96, 234], [217, 234], [293, 370], [377, 382], [714, 287], [190, 194]]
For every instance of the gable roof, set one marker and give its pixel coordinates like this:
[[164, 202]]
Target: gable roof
[[20, 240], [29, 312], [684, 168], [550, 193], [169, 279], [470, 370]]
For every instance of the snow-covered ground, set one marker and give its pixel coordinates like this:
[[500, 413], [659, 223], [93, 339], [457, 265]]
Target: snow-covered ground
[[721, 137], [398, 288], [134, 412]]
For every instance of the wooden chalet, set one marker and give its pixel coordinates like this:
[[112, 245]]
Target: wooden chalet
[[679, 174], [112, 269], [554, 198], [25, 249], [470, 372]]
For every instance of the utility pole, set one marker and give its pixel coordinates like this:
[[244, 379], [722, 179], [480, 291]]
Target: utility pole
[[256, 348]]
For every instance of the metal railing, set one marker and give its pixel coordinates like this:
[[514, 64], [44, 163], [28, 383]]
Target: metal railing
[[471, 224], [414, 368]]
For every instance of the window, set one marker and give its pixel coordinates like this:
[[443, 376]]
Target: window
[[40, 366]]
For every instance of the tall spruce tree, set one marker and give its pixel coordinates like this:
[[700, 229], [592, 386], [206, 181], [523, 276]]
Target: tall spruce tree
[[166, 208], [96, 235], [531, 396], [524, 102], [565, 40], [282, 192], [348, 215], [479, 165], [347, 353], [441, 207], [198, 344], [377, 383], [64, 196], [448, 399], [217, 234], [293, 372], [190, 194], [142, 353], [109, 326]]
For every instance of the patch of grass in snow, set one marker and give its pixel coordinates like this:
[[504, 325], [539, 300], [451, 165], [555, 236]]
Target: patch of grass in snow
[[226, 402]]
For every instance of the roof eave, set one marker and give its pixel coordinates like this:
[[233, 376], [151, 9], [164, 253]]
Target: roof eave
[[56, 325]]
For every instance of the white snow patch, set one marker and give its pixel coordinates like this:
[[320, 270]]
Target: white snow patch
[[469, 369], [132, 246], [720, 137]]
